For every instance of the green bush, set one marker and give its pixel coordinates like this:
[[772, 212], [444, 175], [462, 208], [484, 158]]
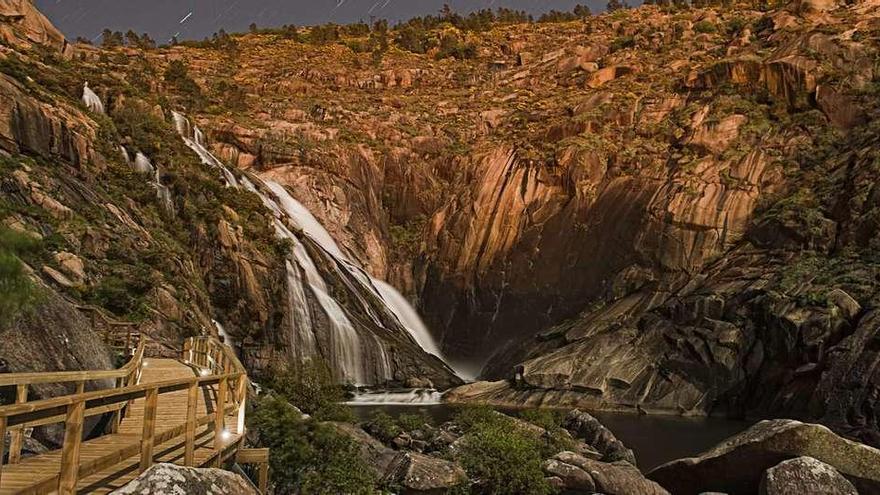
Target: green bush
[[622, 42], [311, 388], [410, 422], [383, 426], [705, 27], [309, 457], [17, 290], [471, 416], [505, 459], [549, 419]]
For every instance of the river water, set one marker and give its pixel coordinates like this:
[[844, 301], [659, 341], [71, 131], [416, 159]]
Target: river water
[[654, 439]]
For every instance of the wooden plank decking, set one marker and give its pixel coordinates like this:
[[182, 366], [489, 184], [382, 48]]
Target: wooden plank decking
[[155, 428]]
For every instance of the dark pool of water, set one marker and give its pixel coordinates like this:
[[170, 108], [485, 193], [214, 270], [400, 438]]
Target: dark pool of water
[[655, 439]]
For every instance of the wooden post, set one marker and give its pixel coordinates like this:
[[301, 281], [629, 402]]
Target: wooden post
[[220, 418], [264, 478], [187, 351], [117, 416], [73, 431], [242, 404], [2, 445], [150, 401], [81, 387], [17, 436], [192, 405]]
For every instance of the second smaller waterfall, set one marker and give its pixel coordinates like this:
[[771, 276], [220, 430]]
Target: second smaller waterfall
[[92, 100]]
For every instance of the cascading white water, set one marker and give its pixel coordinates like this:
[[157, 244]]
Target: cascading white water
[[421, 397], [408, 316], [348, 348], [91, 100], [221, 331], [304, 220], [142, 164]]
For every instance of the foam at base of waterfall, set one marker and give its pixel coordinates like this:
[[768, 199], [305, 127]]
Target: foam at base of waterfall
[[415, 397]]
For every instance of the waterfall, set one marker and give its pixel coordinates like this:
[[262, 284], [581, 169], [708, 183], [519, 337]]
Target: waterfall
[[422, 397], [356, 359], [163, 193], [221, 331], [409, 317], [304, 220], [91, 100], [142, 164]]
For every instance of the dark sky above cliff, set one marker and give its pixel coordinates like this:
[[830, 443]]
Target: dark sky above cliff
[[196, 19]]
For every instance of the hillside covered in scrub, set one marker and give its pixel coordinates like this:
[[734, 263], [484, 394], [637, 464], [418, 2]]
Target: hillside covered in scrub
[[667, 209]]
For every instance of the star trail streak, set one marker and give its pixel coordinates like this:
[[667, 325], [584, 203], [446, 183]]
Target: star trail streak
[[197, 19]]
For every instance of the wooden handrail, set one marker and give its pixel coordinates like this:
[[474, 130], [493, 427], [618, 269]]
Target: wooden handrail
[[214, 364], [134, 364]]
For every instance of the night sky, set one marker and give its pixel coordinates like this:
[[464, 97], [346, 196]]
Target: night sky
[[196, 19]]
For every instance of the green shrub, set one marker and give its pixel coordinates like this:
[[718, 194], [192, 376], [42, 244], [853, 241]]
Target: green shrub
[[549, 419], [311, 388], [736, 25], [622, 42], [383, 426], [506, 460], [308, 457], [177, 75], [471, 416], [17, 290], [705, 27], [410, 422]]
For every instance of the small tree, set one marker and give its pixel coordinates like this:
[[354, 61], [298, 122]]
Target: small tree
[[614, 5]]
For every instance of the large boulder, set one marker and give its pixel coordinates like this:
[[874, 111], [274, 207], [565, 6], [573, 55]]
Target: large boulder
[[574, 473], [589, 429], [419, 473], [737, 465], [170, 478], [804, 476]]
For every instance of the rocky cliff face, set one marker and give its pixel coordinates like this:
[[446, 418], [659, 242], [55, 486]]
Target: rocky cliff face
[[651, 210], [131, 221], [664, 212]]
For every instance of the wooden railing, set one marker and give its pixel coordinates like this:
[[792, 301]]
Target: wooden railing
[[123, 377], [215, 365]]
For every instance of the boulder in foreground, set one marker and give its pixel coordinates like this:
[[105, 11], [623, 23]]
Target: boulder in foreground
[[737, 465], [804, 476], [173, 479]]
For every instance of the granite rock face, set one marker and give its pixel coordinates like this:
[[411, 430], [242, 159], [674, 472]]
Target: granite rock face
[[582, 475], [805, 476], [173, 479], [737, 465]]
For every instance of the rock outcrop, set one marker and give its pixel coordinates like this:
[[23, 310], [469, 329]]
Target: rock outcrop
[[804, 475], [737, 465], [578, 474], [22, 25], [170, 478]]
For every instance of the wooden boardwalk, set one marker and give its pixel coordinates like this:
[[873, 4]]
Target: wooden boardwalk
[[188, 412]]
